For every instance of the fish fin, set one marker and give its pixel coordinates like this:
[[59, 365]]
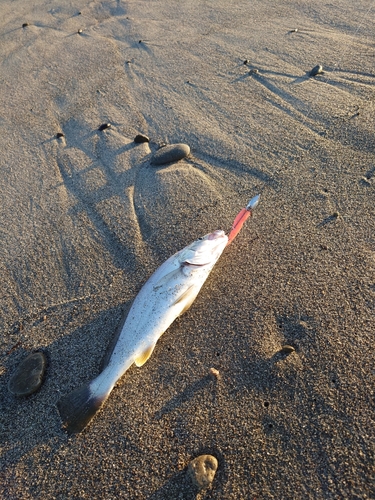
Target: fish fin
[[168, 277], [79, 407], [189, 295], [143, 357]]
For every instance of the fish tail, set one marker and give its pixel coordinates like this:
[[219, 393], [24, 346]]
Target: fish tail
[[80, 406]]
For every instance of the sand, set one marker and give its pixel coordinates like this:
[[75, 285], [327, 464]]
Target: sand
[[85, 219]]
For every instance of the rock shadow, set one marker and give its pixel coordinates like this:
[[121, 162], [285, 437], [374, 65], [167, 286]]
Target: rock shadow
[[184, 396], [180, 485]]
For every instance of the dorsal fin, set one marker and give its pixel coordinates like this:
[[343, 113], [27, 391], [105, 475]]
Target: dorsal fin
[[141, 359]]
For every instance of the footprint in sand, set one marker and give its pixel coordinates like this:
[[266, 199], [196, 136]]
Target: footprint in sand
[[99, 170], [132, 205]]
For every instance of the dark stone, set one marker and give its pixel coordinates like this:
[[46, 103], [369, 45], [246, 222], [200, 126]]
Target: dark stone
[[28, 375], [59, 135], [317, 70], [287, 349], [104, 126], [25, 25], [168, 154], [141, 138]]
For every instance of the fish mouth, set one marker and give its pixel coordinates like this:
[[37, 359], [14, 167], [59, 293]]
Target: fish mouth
[[216, 235]]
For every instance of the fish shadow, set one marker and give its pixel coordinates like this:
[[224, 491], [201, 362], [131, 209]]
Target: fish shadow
[[33, 421]]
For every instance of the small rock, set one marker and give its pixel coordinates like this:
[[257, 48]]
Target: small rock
[[59, 135], [202, 470], [293, 30], [254, 72], [25, 25], [366, 181], [167, 154], [79, 31], [141, 138], [317, 70], [246, 61], [104, 126], [287, 349], [28, 376], [215, 373]]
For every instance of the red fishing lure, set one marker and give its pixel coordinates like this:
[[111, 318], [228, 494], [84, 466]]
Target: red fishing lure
[[241, 218]]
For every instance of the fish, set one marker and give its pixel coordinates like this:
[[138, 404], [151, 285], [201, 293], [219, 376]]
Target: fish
[[168, 293]]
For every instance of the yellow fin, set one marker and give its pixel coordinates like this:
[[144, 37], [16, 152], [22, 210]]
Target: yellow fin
[[143, 357], [189, 296]]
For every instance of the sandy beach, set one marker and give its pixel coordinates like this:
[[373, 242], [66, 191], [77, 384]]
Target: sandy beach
[[86, 218]]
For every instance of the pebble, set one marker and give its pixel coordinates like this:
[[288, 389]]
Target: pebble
[[167, 154], [215, 373], [287, 349], [79, 31], [202, 470], [254, 72], [104, 126], [317, 70], [28, 376], [246, 61], [25, 25], [366, 181], [59, 135], [141, 138]]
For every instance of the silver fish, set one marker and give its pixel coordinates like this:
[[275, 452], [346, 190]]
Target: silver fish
[[167, 294]]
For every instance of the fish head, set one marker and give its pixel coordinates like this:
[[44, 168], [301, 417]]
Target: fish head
[[205, 251]]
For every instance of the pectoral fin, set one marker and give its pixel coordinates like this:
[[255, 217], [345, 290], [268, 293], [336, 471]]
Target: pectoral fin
[[168, 278], [187, 298], [143, 356]]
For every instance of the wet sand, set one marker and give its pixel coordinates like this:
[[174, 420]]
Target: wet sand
[[86, 218]]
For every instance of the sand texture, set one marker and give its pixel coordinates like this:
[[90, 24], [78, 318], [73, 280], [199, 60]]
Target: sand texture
[[85, 218]]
